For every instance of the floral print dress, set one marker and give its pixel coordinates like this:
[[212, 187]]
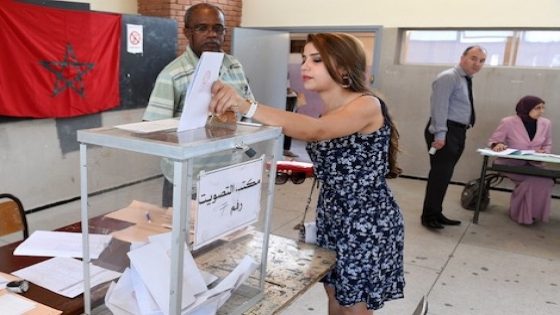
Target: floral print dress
[[358, 218]]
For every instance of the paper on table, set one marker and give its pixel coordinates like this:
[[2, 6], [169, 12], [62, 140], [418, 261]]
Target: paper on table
[[495, 153], [38, 308], [61, 244], [5, 278], [549, 155], [506, 152], [64, 275], [198, 96], [150, 126], [15, 305]]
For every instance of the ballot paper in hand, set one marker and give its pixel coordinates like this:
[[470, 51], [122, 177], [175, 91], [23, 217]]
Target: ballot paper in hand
[[198, 96]]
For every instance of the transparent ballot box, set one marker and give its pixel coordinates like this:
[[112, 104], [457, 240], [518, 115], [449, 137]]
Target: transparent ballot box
[[208, 251]]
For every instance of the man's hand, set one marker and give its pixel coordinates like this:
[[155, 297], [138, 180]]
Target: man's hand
[[438, 143]]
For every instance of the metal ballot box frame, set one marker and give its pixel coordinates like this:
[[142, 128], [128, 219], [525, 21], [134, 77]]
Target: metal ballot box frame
[[182, 149]]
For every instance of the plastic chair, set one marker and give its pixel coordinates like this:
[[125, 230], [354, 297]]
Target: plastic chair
[[12, 216]]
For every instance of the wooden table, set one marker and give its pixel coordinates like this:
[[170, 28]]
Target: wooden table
[[292, 268]]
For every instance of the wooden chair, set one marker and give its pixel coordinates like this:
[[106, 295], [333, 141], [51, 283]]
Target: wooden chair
[[12, 216]]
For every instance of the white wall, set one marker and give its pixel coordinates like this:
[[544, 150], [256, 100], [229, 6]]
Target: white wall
[[401, 13]]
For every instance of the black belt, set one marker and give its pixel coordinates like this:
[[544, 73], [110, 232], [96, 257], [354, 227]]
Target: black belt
[[458, 125]]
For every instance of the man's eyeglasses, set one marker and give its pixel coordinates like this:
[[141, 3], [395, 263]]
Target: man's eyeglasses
[[296, 177], [206, 28]]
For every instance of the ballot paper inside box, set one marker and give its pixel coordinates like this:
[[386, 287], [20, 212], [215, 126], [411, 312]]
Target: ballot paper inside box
[[144, 287]]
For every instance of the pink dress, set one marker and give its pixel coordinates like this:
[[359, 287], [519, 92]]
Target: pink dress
[[530, 199]]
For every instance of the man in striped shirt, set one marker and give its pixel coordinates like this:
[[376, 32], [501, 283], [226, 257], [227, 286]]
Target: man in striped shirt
[[205, 31]]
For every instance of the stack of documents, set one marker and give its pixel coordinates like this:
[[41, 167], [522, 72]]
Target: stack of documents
[[64, 275], [144, 288], [61, 244]]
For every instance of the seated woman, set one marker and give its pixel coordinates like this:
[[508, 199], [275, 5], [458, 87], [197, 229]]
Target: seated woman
[[527, 130]]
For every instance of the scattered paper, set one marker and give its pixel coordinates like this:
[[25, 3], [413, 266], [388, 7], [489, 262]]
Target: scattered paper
[[153, 265], [145, 301], [61, 244], [64, 276], [144, 288], [120, 298], [15, 305], [243, 270]]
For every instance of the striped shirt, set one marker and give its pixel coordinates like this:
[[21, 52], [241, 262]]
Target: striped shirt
[[168, 95]]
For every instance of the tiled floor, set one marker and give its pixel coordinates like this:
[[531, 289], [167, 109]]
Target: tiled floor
[[495, 267]]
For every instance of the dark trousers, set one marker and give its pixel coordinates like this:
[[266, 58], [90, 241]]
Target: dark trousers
[[290, 106], [442, 164]]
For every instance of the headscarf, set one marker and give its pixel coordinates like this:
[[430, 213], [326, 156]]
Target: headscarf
[[525, 105]]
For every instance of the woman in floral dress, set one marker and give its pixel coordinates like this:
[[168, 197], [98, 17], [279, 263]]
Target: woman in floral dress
[[353, 147]]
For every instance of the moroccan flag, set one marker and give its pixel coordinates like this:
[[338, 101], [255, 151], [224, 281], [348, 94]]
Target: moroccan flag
[[57, 62]]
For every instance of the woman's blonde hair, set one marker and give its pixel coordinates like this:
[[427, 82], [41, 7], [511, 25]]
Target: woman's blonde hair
[[345, 59]]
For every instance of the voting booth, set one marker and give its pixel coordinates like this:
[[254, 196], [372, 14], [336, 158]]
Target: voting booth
[[210, 248]]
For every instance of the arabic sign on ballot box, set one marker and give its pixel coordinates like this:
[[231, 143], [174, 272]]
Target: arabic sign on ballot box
[[228, 199]]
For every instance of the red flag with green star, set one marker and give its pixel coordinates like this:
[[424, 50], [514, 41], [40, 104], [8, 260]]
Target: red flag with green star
[[57, 62]]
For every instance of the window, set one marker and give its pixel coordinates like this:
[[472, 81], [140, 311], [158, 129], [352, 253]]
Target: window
[[525, 48]]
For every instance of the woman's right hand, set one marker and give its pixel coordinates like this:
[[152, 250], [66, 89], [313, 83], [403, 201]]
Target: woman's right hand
[[225, 98]]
